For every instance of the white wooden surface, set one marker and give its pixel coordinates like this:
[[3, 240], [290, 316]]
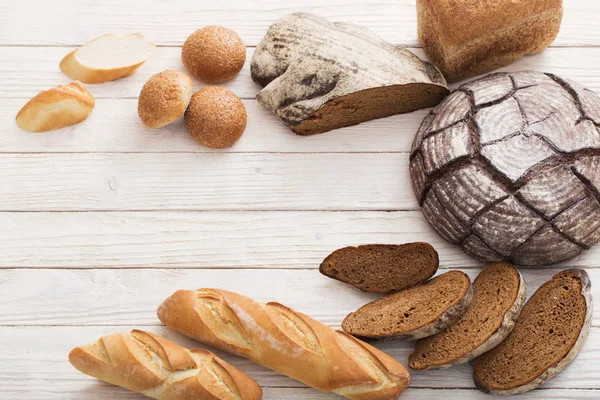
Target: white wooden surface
[[101, 221]]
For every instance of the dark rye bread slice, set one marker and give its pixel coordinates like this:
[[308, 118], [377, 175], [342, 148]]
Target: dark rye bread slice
[[382, 268], [549, 334], [413, 313], [499, 292]]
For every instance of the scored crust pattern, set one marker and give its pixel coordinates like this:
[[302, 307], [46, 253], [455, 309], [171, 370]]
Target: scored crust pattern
[[508, 167]]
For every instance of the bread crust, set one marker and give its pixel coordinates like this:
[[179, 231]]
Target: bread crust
[[56, 108], [286, 341], [164, 98], [74, 69], [158, 368], [569, 357]]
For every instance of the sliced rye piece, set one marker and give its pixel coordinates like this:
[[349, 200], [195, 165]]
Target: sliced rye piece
[[549, 334], [499, 292], [382, 268], [414, 313]]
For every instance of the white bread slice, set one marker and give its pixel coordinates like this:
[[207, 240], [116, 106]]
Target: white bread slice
[[107, 58], [56, 108]]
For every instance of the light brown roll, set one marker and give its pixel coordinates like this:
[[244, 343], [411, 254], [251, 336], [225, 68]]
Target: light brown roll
[[164, 98], [215, 117], [149, 364], [214, 54]]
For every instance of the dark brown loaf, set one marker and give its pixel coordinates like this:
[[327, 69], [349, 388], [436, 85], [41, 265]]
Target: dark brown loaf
[[497, 33], [498, 295], [549, 334], [507, 168], [320, 75], [382, 268], [413, 313]]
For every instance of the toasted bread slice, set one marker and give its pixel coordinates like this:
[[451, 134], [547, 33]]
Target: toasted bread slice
[[107, 58], [56, 108], [549, 334], [499, 293], [414, 313], [382, 268]]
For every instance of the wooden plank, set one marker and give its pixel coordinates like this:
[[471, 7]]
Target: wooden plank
[[215, 181], [74, 22], [130, 297], [25, 71], [212, 239], [39, 354], [114, 126]]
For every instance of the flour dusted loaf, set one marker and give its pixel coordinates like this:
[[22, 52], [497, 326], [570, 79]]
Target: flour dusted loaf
[[413, 313], [508, 167], [382, 268], [550, 332], [320, 75], [288, 342], [464, 38], [498, 295], [149, 364]]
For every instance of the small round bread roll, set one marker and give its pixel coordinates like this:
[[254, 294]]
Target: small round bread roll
[[164, 98], [216, 117], [214, 54]]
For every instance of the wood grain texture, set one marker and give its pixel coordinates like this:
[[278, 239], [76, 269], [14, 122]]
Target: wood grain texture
[[75, 22], [47, 347], [265, 239], [120, 297]]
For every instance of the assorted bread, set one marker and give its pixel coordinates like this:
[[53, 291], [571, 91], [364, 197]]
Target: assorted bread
[[149, 364], [414, 313], [498, 295], [382, 268], [164, 98], [286, 341], [550, 332], [56, 108], [107, 58]]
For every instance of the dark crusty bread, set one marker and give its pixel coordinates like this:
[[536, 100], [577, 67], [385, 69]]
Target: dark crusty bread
[[549, 334], [499, 292], [382, 268], [414, 313]]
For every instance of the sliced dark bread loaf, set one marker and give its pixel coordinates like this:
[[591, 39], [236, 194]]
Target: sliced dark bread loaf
[[413, 313], [549, 334], [499, 292], [382, 268]]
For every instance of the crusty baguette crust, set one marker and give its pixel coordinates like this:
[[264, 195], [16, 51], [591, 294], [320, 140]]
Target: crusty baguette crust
[[569, 357], [56, 108], [291, 343], [71, 67], [146, 363]]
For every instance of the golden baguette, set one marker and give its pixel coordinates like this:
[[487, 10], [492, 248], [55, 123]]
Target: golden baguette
[[146, 363], [288, 342]]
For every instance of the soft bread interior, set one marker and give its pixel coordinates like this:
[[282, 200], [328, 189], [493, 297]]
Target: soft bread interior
[[114, 51]]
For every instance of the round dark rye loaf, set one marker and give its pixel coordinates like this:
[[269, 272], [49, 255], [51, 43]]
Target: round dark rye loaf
[[507, 167], [414, 313], [549, 334], [499, 292], [382, 268]]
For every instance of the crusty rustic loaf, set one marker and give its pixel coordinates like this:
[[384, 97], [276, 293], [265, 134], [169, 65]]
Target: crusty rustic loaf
[[498, 295], [550, 332], [382, 268], [146, 363], [56, 108], [288, 342], [107, 58], [164, 98], [507, 168], [498, 32], [413, 313], [320, 75]]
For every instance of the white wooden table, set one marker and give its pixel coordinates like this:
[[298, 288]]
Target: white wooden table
[[101, 221]]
